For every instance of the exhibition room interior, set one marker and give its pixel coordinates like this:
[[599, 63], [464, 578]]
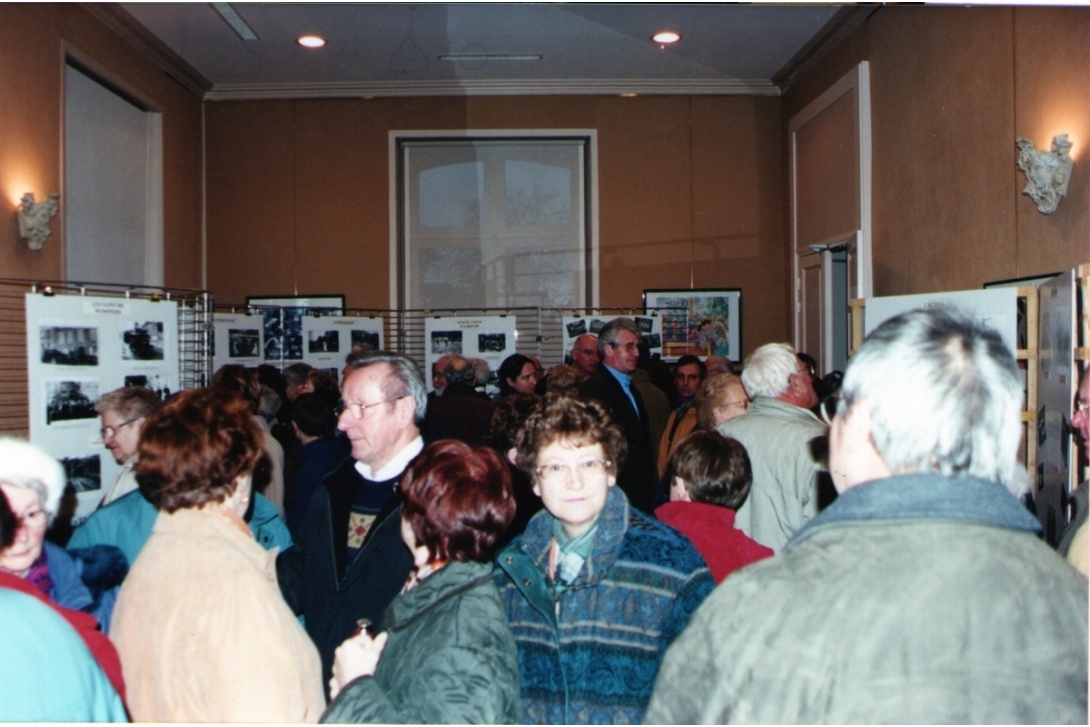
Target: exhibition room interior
[[772, 151]]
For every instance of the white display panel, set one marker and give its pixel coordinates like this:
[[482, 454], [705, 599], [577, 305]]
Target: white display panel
[[994, 307], [78, 348], [492, 338], [327, 340], [576, 326]]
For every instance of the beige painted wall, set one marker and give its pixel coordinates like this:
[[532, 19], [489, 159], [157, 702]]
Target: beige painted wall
[[689, 195], [951, 89], [34, 40]]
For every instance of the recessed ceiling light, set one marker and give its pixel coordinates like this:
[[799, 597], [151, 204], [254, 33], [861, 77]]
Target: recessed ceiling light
[[310, 41], [665, 37]]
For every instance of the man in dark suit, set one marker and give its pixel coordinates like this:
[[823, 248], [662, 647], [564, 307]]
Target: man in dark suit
[[461, 412], [611, 384]]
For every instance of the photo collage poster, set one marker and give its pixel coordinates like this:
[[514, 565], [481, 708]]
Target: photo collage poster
[[492, 338], [283, 338], [327, 340], [575, 326], [78, 348], [238, 339]]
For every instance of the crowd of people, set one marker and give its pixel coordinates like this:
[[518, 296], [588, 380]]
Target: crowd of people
[[605, 542]]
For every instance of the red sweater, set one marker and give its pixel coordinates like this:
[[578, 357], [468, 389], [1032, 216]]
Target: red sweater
[[86, 625], [711, 529]]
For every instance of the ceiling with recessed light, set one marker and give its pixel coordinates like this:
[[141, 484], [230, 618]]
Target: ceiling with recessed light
[[490, 48]]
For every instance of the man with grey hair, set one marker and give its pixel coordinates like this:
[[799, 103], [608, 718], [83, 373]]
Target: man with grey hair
[[611, 384], [777, 431], [349, 561], [123, 412], [923, 593]]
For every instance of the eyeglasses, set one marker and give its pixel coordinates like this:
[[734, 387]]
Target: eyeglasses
[[111, 432], [626, 346], [744, 403], [555, 472], [357, 410], [1082, 407]]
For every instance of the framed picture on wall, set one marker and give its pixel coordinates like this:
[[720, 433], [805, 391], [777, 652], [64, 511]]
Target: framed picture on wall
[[283, 316], [703, 322]]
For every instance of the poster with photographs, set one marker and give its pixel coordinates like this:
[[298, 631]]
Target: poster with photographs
[[238, 338], [489, 338], [79, 348], [698, 322], [995, 307], [329, 339], [576, 326], [284, 316]]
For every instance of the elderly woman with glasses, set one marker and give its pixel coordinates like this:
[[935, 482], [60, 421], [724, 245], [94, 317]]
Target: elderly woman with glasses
[[203, 632], [83, 580], [446, 655], [594, 590]]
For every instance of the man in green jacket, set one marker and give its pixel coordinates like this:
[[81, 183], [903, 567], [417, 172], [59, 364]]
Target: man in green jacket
[[779, 433], [922, 594]]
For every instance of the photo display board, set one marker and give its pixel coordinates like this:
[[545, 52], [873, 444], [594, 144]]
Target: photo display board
[[327, 339], [698, 322], [575, 326], [78, 348], [492, 338], [994, 307]]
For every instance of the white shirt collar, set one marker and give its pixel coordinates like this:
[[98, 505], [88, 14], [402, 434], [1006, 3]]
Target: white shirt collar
[[396, 465]]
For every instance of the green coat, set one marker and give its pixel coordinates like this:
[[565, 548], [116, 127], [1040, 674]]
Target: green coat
[[450, 657], [916, 599]]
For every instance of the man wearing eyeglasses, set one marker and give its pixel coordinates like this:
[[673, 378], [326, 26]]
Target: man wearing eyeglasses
[[611, 384], [777, 431], [349, 561], [122, 412]]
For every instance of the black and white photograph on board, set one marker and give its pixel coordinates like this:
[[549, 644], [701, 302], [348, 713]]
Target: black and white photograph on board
[[69, 345], [84, 474], [491, 342], [70, 400], [142, 342], [646, 325], [161, 385], [323, 341], [576, 328], [596, 325], [446, 342], [243, 342], [367, 339]]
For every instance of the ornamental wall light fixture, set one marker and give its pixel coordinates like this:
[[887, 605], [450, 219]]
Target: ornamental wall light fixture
[[1047, 172], [34, 219]]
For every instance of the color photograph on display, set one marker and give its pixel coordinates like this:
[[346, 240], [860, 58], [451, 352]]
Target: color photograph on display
[[697, 322]]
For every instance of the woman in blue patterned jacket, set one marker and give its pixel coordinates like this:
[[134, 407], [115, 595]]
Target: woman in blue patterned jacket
[[594, 590]]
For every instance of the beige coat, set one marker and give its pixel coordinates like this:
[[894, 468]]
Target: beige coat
[[204, 634]]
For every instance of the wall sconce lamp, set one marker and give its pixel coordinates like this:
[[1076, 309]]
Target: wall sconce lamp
[[1047, 172], [34, 219]]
